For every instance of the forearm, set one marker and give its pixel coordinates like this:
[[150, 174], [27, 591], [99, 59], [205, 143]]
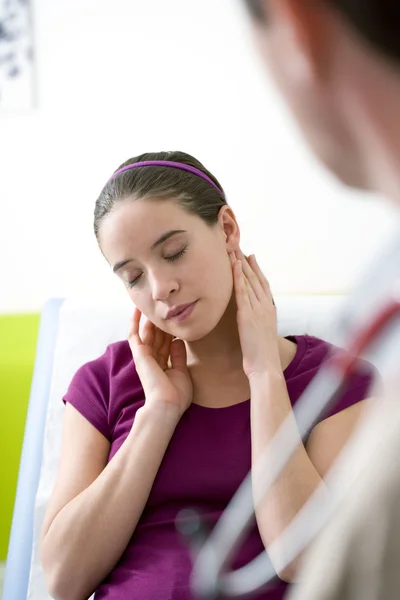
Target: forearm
[[270, 406], [89, 535]]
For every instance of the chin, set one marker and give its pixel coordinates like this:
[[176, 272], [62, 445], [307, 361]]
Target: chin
[[348, 175], [197, 329], [342, 162], [193, 333]]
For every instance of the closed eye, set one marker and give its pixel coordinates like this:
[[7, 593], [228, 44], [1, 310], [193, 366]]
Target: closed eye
[[172, 258], [176, 256], [132, 283]]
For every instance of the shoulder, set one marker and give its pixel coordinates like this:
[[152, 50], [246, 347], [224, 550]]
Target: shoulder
[[101, 386], [115, 359], [310, 355], [315, 354]]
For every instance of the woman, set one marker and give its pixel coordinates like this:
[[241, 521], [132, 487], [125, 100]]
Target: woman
[[175, 427]]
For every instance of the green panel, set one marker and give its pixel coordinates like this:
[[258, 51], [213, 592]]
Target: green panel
[[18, 337]]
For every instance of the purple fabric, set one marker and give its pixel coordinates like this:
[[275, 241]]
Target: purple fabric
[[206, 461], [167, 163]]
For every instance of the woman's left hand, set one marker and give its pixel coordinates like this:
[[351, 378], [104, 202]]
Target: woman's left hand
[[256, 317]]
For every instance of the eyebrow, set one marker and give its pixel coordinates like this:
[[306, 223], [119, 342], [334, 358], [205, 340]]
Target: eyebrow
[[160, 241]]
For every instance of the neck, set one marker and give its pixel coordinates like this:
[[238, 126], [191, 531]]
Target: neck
[[219, 353], [373, 103], [380, 139], [220, 350]]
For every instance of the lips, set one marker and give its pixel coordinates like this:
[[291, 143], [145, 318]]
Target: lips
[[174, 312]]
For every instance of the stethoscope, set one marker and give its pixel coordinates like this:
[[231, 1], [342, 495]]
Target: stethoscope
[[368, 325]]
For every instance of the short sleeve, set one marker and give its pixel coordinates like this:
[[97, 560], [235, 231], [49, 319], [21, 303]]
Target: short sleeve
[[364, 381], [88, 393]]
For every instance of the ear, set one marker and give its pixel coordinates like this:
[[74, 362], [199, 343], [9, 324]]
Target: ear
[[229, 227], [299, 30]]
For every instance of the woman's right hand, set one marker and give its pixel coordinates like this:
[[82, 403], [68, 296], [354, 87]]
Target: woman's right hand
[[164, 386]]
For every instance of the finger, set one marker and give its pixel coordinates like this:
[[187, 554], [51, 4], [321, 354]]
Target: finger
[[263, 280], [158, 339], [253, 299], [139, 347], [178, 355], [165, 349], [134, 322], [251, 276], [157, 344], [241, 290], [148, 333], [133, 330]]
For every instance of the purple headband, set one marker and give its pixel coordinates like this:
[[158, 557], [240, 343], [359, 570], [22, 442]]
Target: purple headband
[[167, 163]]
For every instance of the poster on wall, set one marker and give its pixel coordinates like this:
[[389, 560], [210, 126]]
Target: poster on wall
[[17, 90]]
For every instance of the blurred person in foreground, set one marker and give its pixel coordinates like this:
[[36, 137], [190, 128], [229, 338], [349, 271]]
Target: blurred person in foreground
[[337, 64]]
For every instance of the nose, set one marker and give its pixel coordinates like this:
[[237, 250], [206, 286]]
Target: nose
[[162, 286]]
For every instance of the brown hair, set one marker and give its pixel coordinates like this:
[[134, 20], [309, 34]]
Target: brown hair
[[378, 21], [192, 193]]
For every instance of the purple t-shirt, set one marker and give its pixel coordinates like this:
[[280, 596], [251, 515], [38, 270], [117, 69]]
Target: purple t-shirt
[[207, 459]]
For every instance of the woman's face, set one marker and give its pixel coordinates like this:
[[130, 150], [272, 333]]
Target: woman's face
[[167, 257]]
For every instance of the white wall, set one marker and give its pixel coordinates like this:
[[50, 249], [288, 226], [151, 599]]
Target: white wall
[[119, 78]]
